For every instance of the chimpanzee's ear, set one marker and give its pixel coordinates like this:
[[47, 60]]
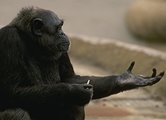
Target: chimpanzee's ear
[[36, 26]]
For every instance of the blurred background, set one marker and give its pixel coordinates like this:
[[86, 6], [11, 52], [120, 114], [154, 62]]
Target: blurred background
[[113, 33], [99, 18]]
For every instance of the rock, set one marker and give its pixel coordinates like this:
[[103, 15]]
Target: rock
[[147, 19]]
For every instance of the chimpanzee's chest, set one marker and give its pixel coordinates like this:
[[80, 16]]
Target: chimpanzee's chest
[[49, 73], [43, 73]]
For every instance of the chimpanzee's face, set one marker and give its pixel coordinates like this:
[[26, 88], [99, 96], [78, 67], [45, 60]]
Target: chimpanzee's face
[[48, 29]]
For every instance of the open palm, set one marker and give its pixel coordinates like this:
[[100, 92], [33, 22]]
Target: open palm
[[129, 81]]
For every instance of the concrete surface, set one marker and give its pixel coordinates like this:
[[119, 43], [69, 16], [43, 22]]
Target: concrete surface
[[115, 56], [132, 105]]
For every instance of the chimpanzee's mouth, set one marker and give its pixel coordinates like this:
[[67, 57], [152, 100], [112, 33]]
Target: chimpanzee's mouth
[[63, 47]]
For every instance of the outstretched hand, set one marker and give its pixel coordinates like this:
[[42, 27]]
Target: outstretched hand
[[129, 81]]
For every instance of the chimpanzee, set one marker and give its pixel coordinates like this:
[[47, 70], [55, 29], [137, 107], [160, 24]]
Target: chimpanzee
[[37, 80]]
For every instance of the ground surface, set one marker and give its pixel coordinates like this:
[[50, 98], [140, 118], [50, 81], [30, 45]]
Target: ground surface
[[131, 105]]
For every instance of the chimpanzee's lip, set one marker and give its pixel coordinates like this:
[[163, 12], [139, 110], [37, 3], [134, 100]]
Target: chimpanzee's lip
[[63, 47]]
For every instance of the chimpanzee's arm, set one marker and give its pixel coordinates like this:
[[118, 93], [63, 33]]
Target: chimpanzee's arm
[[105, 86], [58, 94], [38, 94]]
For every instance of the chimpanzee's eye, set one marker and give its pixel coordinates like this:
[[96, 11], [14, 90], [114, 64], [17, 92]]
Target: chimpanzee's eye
[[62, 22], [59, 27]]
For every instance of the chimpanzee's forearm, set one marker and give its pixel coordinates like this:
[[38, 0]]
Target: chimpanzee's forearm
[[108, 85], [102, 86]]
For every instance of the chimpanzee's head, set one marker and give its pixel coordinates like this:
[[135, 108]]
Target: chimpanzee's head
[[45, 28]]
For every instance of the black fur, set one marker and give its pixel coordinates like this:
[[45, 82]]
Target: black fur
[[36, 74]]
